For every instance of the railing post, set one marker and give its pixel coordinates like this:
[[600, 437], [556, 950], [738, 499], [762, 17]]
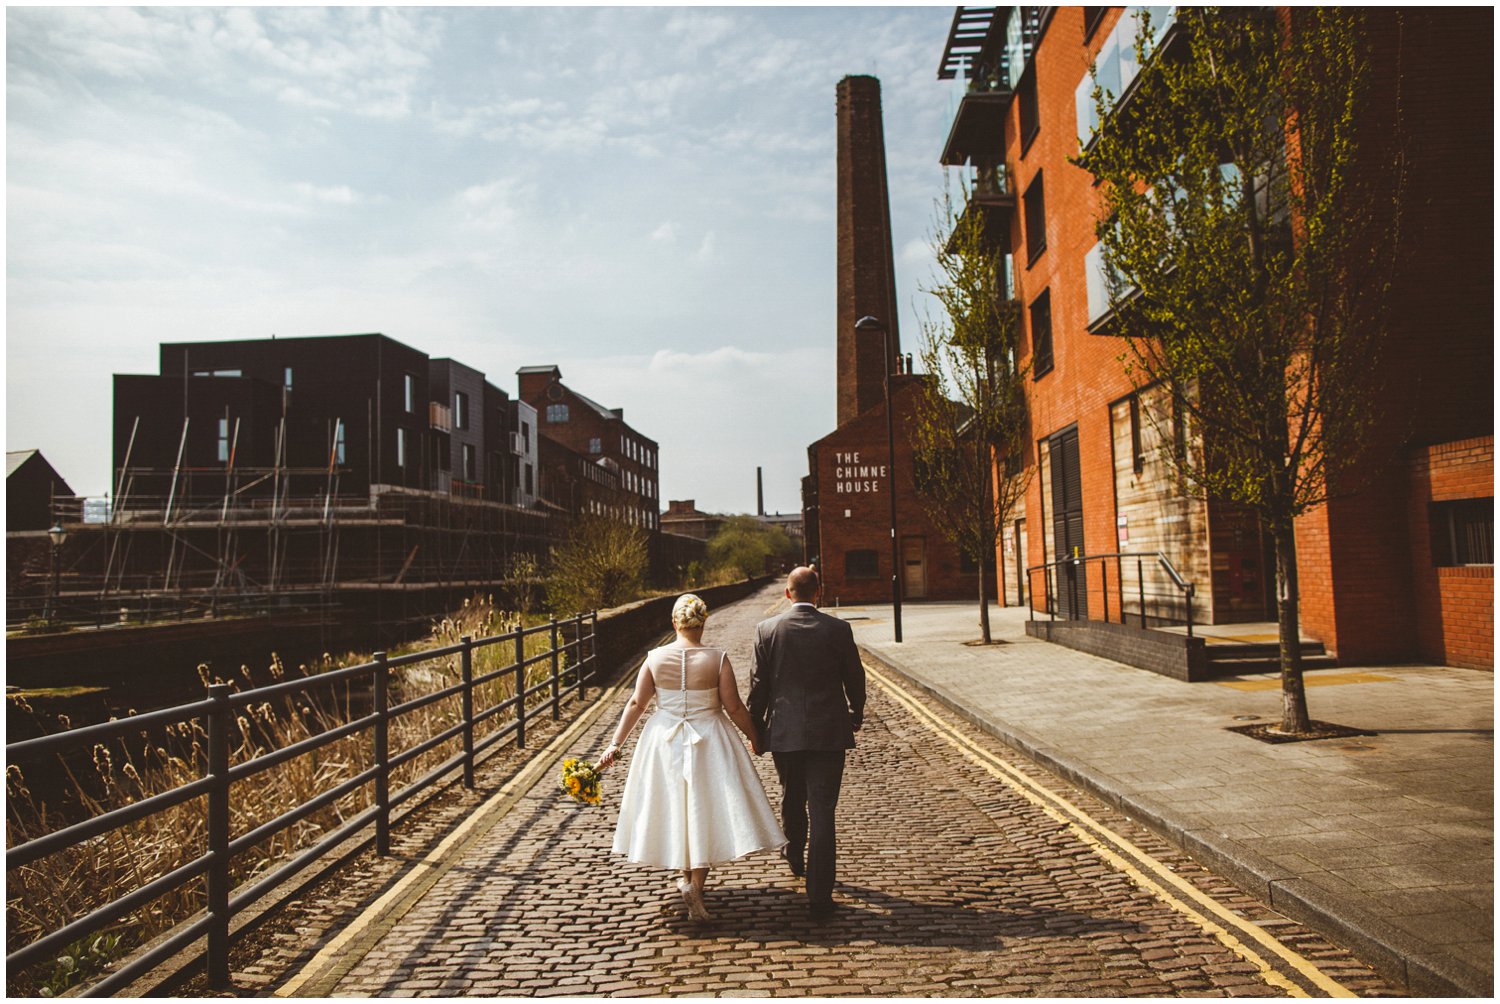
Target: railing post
[[218, 835], [593, 642], [382, 761], [556, 670], [520, 687], [466, 667], [1190, 609], [1104, 586], [578, 656], [1140, 581]]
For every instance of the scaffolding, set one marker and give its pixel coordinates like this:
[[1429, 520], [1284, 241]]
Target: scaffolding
[[222, 538]]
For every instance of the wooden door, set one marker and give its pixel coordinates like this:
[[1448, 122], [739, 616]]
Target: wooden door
[[914, 567], [1069, 581]]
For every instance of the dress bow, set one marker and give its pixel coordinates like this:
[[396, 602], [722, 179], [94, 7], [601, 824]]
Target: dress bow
[[682, 727]]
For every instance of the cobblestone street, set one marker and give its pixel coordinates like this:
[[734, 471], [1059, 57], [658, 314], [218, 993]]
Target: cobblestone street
[[958, 875]]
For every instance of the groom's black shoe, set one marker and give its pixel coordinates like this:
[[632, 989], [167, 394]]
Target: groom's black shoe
[[794, 863], [822, 911]]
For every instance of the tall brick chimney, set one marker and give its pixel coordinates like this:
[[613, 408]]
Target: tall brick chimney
[[866, 270]]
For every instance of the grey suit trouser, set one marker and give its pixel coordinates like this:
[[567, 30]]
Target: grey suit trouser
[[810, 782]]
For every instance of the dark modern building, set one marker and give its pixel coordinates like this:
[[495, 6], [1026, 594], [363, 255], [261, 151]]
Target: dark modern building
[[364, 409]]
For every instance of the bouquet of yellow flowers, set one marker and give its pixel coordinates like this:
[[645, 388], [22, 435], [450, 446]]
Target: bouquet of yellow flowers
[[580, 779]]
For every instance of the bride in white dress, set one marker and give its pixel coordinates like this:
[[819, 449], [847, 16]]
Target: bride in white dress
[[692, 798]]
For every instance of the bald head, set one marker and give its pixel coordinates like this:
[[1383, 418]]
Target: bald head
[[802, 584]]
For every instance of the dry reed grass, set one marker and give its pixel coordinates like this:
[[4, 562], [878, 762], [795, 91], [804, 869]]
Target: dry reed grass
[[50, 893]]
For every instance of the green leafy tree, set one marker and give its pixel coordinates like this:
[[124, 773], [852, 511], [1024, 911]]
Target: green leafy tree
[[968, 430], [1249, 237], [601, 563], [744, 543]]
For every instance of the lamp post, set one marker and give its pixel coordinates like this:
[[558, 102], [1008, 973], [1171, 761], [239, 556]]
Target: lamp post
[[58, 535], [869, 324]]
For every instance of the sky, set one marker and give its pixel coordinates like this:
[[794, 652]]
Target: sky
[[644, 197]]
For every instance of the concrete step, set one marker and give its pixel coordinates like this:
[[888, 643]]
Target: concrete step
[[1245, 667], [1218, 652]]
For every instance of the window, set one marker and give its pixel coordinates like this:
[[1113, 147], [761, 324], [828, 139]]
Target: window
[[1031, 122], [1036, 220], [1096, 282], [556, 413], [287, 376], [460, 410], [338, 442], [864, 564], [1463, 532], [526, 436], [528, 479], [469, 463], [401, 448], [224, 439], [1041, 335], [409, 390], [1137, 457], [1091, 18], [1179, 427]]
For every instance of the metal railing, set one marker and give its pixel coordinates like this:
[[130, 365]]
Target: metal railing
[[1078, 584], [218, 713]]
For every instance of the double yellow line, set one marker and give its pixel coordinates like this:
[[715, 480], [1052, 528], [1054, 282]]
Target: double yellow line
[[1144, 870]]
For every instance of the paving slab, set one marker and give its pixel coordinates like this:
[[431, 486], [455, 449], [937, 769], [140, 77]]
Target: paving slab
[[1359, 837]]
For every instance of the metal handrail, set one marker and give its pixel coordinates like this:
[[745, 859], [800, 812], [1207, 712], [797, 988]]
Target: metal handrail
[[1188, 589], [218, 715]]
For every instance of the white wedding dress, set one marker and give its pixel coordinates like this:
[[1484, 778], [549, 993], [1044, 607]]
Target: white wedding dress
[[692, 798]]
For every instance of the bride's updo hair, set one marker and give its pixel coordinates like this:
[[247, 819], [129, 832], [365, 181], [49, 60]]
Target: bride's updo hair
[[689, 612]]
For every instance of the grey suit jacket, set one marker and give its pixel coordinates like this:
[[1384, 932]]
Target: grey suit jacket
[[807, 690]]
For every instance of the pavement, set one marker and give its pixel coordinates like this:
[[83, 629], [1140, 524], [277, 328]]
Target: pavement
[[1384, 843]]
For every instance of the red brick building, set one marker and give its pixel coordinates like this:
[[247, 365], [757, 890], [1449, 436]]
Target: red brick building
[[601, 436], [852, 471], [846, 495], [1401, 569]]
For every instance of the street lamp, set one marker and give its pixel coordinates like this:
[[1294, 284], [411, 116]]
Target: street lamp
[[869, 324], [58, 535]]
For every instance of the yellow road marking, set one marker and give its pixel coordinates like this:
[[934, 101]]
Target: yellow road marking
[[1093, 833], [1308, 680]]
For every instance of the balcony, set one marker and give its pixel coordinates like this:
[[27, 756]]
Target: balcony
[[978, 131], [992, 199], [1117, 69]]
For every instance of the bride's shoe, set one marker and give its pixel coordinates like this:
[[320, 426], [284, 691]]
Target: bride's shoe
[[694, 900]]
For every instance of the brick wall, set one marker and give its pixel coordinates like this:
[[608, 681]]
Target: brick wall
[[1455, 606], [854, 509]]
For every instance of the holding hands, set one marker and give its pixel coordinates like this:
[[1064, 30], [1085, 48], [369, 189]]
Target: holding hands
[[610, 756]]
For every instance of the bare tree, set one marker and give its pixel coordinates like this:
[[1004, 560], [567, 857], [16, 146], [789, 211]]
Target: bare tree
[[968, 429], [1249, 242]]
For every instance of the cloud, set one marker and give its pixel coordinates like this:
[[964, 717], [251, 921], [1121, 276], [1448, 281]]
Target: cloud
[[707, 250], [337, 195], [667, 233]]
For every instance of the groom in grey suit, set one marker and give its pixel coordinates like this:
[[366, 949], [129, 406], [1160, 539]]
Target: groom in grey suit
[[807, 699]]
